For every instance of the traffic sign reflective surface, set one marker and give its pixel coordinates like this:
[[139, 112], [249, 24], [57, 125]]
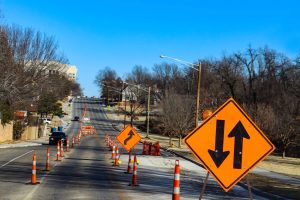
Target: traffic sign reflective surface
[[128, 137], [229, 144]]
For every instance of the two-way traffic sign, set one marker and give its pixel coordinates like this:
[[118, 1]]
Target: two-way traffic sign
[[229, 144], [128, 137]]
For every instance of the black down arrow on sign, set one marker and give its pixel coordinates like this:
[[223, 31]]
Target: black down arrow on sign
[[218, 155]]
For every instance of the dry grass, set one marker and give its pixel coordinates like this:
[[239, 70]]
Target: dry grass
[[287, 166], [273, 186]]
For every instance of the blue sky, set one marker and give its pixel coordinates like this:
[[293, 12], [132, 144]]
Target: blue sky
[[120, 34]]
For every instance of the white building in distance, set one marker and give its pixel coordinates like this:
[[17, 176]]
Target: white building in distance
[[70, 71]]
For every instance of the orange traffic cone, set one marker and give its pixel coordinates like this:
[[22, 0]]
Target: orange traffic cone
[[116, 163], [48, 159], [129, 163], [33, 172], [58, 152], [176, 183], [68, 145], [113, 155], [77, 139], [117, 152], [134, 175], [73, 141], [61, 148]]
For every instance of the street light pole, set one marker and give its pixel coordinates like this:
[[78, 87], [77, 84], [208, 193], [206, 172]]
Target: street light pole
[[193, 66]]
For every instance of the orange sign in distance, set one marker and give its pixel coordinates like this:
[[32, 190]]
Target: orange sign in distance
[[128, 137], [229, 144]]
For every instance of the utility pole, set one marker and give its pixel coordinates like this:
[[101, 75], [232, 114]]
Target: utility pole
[[198, 94], [148, 110], [125, 113]]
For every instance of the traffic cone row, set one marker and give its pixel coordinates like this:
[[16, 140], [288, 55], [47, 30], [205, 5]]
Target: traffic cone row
[[59, 154], [115, 156], [109, 142]]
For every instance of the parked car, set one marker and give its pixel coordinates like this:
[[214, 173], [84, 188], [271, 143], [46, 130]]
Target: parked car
[[76, 118], [46, 121], [57, 136]]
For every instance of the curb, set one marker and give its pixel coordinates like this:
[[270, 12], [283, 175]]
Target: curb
[[5, 146]]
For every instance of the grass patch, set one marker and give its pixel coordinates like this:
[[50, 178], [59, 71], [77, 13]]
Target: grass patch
[[273, 186], [287, 166]]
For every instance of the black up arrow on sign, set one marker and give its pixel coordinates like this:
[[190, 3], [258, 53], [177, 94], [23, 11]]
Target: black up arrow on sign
[[238, 132], [218, 155], [130, 134]]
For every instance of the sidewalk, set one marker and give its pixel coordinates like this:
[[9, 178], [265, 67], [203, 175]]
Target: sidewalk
[[185, 152]]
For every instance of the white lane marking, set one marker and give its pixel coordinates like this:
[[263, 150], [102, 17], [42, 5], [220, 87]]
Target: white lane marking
[[16, 158]]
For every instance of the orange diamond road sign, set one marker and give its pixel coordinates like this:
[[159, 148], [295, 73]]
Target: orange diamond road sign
[[128, 137], [229, 144]]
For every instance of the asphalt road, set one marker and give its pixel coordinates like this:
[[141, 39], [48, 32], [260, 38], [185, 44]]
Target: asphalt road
[[87, 172]]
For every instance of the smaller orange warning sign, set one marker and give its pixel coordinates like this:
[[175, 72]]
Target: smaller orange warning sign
[[128, 137]]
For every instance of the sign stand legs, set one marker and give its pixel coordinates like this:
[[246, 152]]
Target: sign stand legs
[[206, 180], [204, 186], [249, 188]]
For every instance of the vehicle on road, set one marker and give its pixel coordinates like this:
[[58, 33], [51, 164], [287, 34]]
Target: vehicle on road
[[85, 119], [76, 118], [46, 121], [57, 136]]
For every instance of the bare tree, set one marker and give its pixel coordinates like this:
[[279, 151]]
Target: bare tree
[[229, 71], [107, 79], [166, 76], [177, 115], [139, 75], [33, 54], [249, 61], [7, 79]]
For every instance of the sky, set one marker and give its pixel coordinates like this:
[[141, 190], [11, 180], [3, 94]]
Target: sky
[[120, 34]]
